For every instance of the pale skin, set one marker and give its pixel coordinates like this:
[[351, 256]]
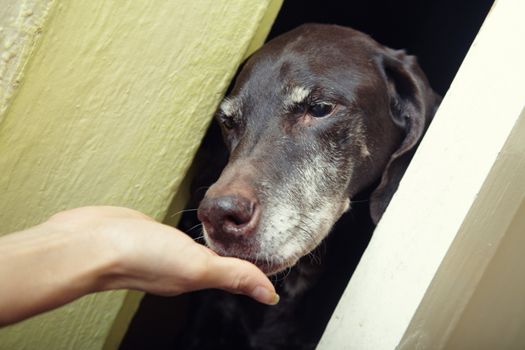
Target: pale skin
[[92, 249]]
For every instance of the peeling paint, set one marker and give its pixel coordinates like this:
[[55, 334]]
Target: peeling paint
[[21, 24]]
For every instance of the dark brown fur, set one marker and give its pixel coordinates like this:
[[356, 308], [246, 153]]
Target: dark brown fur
[[382, 104]]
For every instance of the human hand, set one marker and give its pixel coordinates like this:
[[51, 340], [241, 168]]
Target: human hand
[[91, 249], [160, 259]]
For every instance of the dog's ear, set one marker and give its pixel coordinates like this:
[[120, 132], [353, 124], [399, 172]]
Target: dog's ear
[[412, 105]]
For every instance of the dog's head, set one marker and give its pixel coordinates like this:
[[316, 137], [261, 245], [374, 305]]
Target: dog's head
[[316, 115]]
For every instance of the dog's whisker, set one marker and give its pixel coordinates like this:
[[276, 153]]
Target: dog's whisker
[[321, 248], [199, 238], [183, 211], [194, 227], [281, 276], [314, 258], [286, 273]]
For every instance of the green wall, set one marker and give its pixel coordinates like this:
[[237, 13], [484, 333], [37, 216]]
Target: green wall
[[105, 102]]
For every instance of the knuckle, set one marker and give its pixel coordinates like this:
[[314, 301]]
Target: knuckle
[[238, 282]]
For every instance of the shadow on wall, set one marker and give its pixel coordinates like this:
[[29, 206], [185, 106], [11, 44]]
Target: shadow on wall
[[439, 33]]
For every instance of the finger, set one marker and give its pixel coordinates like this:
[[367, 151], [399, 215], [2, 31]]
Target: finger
[[240, 277], [101, 211], [120, 212]]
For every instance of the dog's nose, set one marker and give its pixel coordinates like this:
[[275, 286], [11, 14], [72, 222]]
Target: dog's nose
[[229, 217]]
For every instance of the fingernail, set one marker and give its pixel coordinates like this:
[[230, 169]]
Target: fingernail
[[265, 296]]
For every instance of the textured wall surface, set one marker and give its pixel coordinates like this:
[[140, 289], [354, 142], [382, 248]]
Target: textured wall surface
[[105, 102], [21, 23]]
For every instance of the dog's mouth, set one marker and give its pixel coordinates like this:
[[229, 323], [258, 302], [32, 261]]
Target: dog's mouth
[[268, 265]]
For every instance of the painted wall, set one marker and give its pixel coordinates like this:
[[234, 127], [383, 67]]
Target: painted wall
[[495, 315], [105, 102]]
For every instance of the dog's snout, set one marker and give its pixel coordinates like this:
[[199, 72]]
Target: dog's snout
[[229, 217], [234, 212]]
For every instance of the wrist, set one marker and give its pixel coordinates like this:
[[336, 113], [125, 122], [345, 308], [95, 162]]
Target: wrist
[[88, 257], [116, 247], [49, 265]]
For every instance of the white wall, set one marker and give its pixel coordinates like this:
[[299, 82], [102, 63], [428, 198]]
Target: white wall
[[495, 315]]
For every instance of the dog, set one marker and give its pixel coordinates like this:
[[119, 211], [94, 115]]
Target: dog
[[317, 117]]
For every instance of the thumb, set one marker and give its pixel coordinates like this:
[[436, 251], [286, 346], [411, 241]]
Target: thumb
[[240, 277]]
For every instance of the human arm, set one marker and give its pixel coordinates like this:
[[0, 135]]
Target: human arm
[[93, 249]]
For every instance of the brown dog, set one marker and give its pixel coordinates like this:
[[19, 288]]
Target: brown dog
[[316, 116]]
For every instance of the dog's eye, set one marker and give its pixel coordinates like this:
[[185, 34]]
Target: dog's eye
[[226, 121], [319, 110]]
